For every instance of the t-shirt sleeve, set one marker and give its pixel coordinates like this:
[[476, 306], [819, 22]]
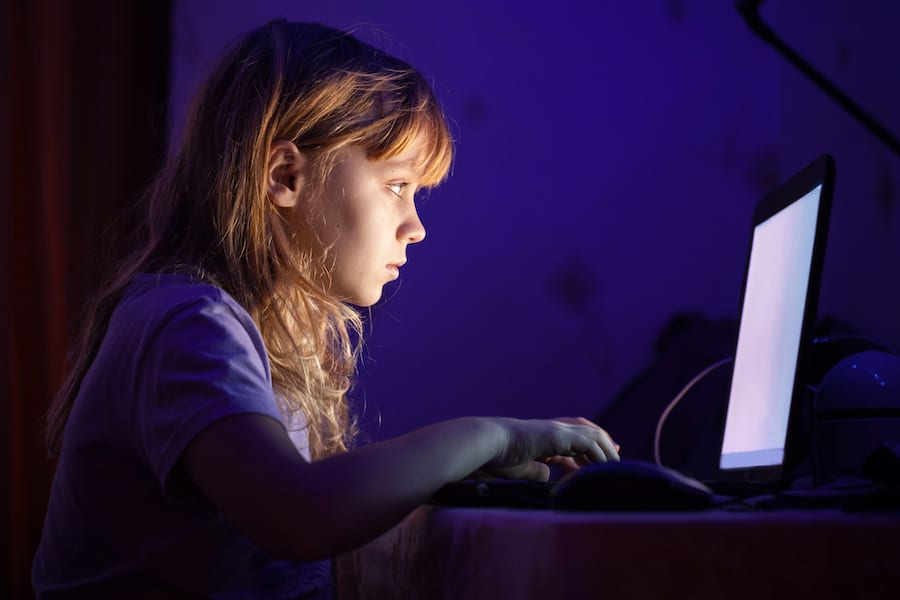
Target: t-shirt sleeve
[[205, 363]]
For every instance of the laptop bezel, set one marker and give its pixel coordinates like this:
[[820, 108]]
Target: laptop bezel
[[820, 172]]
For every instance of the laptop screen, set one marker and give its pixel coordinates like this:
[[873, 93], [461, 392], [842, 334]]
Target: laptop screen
[[777, 310], [769, 336]]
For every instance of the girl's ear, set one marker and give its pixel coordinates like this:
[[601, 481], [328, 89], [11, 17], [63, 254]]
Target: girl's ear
[[286, 175]]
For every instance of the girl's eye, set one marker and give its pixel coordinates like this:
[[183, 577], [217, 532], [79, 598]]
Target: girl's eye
[[397, 188]]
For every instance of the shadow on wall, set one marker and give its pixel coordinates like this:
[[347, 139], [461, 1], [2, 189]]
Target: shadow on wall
[[688, 343]]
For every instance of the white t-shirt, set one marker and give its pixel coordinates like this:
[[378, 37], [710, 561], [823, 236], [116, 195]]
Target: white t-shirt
[[124, 519]]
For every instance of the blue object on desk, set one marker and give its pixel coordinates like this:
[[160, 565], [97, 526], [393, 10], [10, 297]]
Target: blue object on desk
[[856, 411]]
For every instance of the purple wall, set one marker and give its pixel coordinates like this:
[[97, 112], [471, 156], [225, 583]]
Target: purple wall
[[609, 156]]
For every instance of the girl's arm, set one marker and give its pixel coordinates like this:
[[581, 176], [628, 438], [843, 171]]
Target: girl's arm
[[249, 468]]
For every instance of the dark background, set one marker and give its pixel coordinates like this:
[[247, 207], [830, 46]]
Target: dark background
[[595, 224]]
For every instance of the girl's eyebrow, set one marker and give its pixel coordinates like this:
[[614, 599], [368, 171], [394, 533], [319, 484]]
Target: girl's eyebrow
[[396, 161], [411, 166]]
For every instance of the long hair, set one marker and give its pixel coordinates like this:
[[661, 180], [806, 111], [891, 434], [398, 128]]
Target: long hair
[[209, 215]]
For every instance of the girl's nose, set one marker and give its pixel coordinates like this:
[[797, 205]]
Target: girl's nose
[[412, 231]]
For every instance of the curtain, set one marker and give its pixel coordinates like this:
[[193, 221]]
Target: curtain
[[83, 123]]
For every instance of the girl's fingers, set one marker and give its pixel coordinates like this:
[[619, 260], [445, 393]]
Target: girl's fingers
[[567, 463], [610, 447], [582, 461], [600, 447], [588, 445]]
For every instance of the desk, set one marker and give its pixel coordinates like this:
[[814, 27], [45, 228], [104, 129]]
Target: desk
[[523, 554]]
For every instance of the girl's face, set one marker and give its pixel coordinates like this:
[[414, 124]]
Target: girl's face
[[369, 218]]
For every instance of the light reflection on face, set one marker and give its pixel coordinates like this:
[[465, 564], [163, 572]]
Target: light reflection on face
[[369, 218]]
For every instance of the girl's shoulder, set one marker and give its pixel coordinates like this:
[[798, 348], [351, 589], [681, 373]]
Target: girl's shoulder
[[160, 297], [175, 289]]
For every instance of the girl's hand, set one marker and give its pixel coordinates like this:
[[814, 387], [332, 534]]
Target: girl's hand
[[530, 445], [567, 463]]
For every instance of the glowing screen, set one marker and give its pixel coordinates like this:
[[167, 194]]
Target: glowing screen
[[769, 336]]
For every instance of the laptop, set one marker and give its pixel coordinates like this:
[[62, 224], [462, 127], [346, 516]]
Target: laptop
[[760, 440]]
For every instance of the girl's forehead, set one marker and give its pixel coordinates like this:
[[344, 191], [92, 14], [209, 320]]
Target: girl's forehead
[[411, 159], [409, 162]]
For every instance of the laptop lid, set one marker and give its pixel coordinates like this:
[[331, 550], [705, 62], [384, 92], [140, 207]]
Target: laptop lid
[[777, 314]]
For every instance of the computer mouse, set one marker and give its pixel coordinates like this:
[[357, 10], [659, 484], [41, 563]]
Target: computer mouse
[[629, 485]]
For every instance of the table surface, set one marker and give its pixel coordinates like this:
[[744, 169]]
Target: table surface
[[508, 553]]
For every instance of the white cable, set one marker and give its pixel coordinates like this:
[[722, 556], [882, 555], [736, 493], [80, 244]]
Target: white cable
[[676, 400]]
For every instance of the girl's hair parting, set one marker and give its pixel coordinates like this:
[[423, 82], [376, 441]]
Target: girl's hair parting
[[209, 215]]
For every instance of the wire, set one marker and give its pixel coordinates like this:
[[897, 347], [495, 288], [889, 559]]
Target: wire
[[677, 399], [749, 9]]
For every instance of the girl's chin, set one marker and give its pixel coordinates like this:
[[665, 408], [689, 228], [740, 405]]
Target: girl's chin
[[365, 300]]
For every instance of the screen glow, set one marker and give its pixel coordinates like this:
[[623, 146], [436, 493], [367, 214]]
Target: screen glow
[[769, 336]]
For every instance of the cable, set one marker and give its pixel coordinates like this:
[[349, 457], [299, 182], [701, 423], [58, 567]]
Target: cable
[[749, 9], [677, 399]]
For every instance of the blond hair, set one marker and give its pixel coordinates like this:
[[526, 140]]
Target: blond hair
[[209, 214]]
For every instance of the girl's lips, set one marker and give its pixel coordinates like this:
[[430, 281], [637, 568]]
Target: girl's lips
[[394, 267]]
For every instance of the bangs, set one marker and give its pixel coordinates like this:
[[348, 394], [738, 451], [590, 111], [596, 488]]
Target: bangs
[[421, 116]]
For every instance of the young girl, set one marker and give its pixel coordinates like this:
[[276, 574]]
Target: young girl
[[203, 431]]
